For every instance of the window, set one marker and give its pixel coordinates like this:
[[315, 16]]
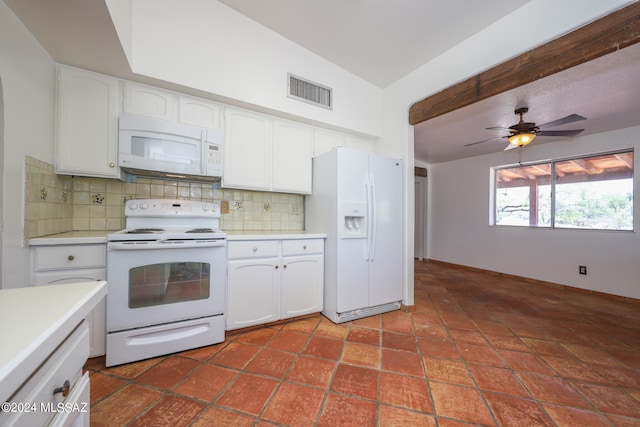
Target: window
[[594, 192]]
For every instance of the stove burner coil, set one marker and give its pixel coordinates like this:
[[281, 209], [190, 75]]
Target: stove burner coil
[[201, 230], [145, 231]]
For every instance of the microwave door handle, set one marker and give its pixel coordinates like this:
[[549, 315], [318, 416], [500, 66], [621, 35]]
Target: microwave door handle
[[203, 154]]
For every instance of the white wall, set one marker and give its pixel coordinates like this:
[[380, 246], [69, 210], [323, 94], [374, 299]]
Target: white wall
[[1, 175], [27, 74], [206, 45], [495, 44], [459, 228]]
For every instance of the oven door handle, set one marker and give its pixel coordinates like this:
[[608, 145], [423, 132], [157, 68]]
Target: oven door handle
[[165, 244]]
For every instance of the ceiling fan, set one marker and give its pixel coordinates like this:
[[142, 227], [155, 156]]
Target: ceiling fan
[[522, 133]]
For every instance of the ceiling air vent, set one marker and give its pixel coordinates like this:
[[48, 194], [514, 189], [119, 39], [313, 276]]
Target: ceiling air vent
[[313, 93]]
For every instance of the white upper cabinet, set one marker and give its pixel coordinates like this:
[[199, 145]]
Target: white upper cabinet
[[359, 143], [262, 153], [199, 112], [292, 154], [172, 106], [87, 123], [149, 101], [247, 150], [324, 140]]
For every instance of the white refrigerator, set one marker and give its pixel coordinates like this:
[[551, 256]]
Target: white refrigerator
[[358, 201]]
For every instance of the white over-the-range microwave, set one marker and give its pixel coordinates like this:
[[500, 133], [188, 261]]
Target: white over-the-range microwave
[[155, 147]]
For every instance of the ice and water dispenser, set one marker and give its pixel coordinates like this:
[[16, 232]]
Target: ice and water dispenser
[[354, 215]]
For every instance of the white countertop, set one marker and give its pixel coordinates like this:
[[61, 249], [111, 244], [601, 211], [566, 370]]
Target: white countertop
[[35, 320], [71, 237], [273, 235], [88, 237]]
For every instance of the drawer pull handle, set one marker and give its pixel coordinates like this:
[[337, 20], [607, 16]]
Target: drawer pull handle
[[277, 267], [284, 266], [71, 257], [64, 389], [304, 247], [255, 249]]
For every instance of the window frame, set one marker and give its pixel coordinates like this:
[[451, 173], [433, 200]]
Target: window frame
[[493, 203]]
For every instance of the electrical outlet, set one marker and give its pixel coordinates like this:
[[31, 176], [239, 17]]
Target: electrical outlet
[[294, 210], [582, 269], [224, 207]]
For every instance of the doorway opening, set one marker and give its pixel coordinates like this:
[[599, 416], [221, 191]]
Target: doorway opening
[[420, 219]]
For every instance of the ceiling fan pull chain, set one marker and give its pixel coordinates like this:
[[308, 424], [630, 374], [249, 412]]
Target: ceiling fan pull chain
[[520, 155]]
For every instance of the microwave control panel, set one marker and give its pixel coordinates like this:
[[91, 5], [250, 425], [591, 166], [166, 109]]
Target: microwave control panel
[[213, 159]]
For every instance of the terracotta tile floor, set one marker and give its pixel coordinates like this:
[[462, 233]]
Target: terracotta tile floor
[[479, 350]]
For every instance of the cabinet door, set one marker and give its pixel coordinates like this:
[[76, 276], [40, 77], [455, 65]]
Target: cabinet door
[[292, 154], [362, 144], [149, 101], [96, 318], [324, 140], [87, 117], [252, 288], [302, 285], [198, 112], [247, 151]]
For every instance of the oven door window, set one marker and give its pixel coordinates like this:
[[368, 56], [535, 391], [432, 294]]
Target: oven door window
[[168, 283]]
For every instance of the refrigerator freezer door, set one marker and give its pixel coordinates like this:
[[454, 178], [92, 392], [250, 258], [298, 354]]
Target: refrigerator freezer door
[[385, 269]]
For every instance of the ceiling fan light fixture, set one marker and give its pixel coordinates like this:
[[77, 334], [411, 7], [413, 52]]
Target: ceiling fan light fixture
[[521, 139]]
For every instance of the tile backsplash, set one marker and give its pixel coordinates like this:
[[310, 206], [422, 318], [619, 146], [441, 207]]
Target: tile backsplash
[[60, 203]]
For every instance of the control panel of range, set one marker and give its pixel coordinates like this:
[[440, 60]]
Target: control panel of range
[[170, 207]]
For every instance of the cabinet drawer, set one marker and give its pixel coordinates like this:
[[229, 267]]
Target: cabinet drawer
[[302, 247], [252, 249], [69, 276], [70, 256], [64, 364]]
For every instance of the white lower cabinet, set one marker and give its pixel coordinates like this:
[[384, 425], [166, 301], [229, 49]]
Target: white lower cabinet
[[61, 264], [253, 294], [270, 280], [57, 393]]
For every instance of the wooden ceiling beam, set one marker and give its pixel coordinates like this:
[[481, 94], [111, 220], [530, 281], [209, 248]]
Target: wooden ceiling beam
[[626, 158], [601, 37]]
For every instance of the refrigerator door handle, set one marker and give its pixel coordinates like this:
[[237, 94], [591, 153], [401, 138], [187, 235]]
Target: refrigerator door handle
[[367, 185], [372, 243]]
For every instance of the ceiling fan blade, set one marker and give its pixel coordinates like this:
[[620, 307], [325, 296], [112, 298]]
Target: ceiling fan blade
[[486, 140], [510, 147], [573, 132], [563, 121], [498, 127]]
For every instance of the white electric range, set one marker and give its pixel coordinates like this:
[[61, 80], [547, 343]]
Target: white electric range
[[166, 280]]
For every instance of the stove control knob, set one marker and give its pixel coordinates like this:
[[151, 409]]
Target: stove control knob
[[133, 206], [144, 205], [205, 207]]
